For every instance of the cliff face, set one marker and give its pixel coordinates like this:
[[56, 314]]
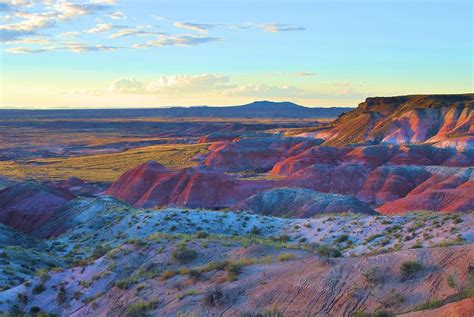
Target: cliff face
[[441, 120]]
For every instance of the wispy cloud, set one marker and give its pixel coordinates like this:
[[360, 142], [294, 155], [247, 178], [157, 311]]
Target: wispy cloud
[[70, 34], [13, 35], [37, 40], [26, 21], [139, 30], [100, 28], [177, 40], [127, 85], [276, 27], [75, 47], [31, 22], [27, 50], [199, 27], [117, 15]]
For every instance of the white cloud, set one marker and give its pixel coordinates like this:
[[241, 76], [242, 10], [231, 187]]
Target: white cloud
[[31, 21], [177, 40], [127, 85], [100, 28], [70, 34], [9, 4], [67, 10], [81, 48], [160, 18], [188, 82], [117, 15], [27, 50], [199, 27], [139, 30], [277, 27], [190, 86], [168, 85], [48, 17], [32, 40], [75, 47]]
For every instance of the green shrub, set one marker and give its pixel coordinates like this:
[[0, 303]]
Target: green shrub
[[214, 297], [409, 269], [22, 298], [373, 275], [341, 238], [77, 295], [255, 231], [43, 274], [451, 281], [214, 265], [327, 251], [183, 254], [39, 288], [194, 274], [124, 283], [286, 257], [99, 251], [140, 309], [201, 235], [188, 293], [233, 269], [373, 237], [168, 274], [35, 310], [85, 284], [429, 304], [61, 297], [284, 238]]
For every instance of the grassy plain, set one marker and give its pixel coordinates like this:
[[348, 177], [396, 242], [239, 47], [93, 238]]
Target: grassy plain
[[102, 167]]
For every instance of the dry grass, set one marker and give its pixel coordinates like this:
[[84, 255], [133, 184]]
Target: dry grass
[[268, 177], [103, 167]]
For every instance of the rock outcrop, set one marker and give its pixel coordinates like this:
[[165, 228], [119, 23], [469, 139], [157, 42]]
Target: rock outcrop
[[442, 120], [302, 203], [25, 206]]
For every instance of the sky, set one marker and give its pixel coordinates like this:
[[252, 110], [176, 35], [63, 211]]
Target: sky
[[123, 53]]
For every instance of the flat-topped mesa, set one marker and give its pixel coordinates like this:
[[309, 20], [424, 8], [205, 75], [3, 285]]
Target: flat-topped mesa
[[406, 103], [441, 120]]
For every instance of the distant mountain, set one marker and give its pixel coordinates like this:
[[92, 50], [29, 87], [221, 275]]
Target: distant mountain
[[257, 109]]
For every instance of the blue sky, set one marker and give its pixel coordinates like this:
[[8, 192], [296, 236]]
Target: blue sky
[[106, 53]]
